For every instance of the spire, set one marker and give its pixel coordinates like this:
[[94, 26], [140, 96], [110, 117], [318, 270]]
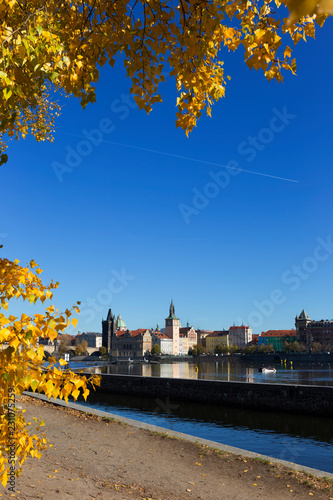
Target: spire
[[158, 328], [109, 317], [172, 311]]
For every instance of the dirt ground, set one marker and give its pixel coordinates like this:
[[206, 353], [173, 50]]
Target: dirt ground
[[93, 458]]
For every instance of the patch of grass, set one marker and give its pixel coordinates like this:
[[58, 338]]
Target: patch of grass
[[260, 460], [312, 481], [160, 434], [165, 435], [208, 450]]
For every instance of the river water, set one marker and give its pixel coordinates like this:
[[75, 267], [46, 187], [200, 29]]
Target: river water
[[235, 371], [300, 439]]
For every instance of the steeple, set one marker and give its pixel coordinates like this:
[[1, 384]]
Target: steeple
[[171, 311], [172, 325]]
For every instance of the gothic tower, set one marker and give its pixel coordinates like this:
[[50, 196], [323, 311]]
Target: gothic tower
[[108, 331], [172, 329], [302, 333]]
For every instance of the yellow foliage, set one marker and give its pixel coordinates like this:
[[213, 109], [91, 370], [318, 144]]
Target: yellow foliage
[[301, 8], [49, 46], [22, 366]]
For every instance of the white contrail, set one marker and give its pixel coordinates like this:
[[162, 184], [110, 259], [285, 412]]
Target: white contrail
[[180, 157]]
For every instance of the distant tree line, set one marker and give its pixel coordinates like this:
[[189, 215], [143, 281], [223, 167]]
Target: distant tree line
[[295, 346]]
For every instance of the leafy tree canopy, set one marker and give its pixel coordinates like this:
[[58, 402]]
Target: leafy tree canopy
[[221, 349], [22, 366], [49, 46], [156, 349]]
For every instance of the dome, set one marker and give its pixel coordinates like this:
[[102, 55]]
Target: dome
[[120, 323]]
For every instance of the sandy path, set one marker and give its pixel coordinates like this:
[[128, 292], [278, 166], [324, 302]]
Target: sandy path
[[96, 459]]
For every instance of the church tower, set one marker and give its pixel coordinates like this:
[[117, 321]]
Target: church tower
[[108, 331], [172, 329]]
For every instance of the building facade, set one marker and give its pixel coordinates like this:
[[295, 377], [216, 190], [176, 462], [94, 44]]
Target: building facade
[[122, 343], [309, 331], [93, 339], [277, 338], [202, 335], [163, 341], [187, 339], [131, 344], [217, 338], [240, 336]]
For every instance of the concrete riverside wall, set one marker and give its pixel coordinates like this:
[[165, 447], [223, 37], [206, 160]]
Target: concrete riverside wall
[[305, 399]]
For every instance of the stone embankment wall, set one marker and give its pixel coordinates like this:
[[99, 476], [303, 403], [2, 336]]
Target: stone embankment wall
[[305, 399]]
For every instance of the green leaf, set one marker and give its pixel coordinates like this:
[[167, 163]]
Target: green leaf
[[28, 335], [7, 93], [6, 376], [34, 384], [3, 159], [54, 75]]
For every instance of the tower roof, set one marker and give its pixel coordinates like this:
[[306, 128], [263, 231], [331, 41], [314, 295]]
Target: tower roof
[[109, 316], [171, 311], [120, 323], [303, 315]]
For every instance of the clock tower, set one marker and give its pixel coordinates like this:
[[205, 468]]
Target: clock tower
[[172, 329]]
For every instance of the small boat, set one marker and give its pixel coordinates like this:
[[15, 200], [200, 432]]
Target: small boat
[[145, 360], [267, 370]]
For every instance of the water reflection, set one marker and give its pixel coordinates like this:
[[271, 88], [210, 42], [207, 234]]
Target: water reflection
[[296, 438], [307, 374]]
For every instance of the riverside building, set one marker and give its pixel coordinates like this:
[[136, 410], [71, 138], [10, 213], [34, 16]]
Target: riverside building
[[277, 338], [217, 338], [309, 331], [135, 344], [240, 336]]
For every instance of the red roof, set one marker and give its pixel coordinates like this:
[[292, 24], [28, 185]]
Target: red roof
[[218, 334], [161, 335], [185, 329], [236, 327], [140, 331], [133, 333], [279, 333]]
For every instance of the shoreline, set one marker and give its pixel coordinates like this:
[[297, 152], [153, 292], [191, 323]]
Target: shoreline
[[180, 435], [95, 457]]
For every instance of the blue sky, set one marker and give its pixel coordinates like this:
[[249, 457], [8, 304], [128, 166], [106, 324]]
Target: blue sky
[[112, 230]]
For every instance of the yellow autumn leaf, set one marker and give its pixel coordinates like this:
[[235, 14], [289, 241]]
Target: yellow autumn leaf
[[60, 55], [4, 478], [21, 362]]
